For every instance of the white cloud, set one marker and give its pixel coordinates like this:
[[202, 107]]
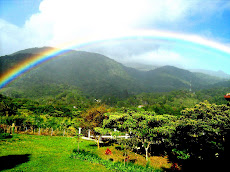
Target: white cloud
[[62, 21], [159, 57], [8, 37]]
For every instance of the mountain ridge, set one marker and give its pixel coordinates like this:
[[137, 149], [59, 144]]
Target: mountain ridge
[[98, 76], [218, 73]]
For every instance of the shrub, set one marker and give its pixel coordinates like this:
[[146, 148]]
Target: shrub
[[5, 135]]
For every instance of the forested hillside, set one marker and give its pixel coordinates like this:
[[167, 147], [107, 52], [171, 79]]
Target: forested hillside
[[96, 76]]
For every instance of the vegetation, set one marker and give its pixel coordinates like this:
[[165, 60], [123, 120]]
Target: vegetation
[[197, 134], [117, 166], [184, 125], [96, 76], [43, 153], [170, 124]]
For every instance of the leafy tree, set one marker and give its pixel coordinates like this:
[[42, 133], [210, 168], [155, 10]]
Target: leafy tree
[[147, 128], [93, 118], [201, 130], [65, 123]]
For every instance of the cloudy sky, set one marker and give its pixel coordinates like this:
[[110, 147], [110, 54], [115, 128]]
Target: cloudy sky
[[36, 23]]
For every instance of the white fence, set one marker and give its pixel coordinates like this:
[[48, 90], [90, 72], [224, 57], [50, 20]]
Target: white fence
[[106, 137]]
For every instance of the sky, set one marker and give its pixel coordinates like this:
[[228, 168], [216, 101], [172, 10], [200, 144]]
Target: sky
[[59, 23]]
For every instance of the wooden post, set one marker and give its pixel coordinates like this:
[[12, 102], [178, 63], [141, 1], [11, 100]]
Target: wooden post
[[52, 130], [89, 133], [13, 125], [8, 129]]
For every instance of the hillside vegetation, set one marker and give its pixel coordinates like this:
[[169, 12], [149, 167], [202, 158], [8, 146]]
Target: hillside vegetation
[[167, 115], [97, 76]]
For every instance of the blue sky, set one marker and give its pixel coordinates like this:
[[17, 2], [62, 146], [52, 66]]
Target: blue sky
[[18, 11], [36, 23]]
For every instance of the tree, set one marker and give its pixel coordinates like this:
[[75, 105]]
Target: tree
[[201, 130], [93, 118], [147, 128]]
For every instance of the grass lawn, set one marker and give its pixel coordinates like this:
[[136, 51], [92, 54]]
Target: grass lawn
[[47, 153], [42, 153]]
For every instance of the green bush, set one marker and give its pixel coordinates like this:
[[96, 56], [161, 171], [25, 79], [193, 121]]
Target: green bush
[[5, 135]]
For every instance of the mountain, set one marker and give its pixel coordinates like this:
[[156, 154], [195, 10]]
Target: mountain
[[140, 66], [219, 73], [96, 76], [168, 78], [92, 73]]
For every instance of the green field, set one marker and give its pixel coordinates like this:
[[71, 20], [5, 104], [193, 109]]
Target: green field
[[55, 153], [43, 153]]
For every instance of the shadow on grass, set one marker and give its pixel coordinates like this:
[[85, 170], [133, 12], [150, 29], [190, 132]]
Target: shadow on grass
[[11, 161], [92, 145], [201, 166], [104, 144]]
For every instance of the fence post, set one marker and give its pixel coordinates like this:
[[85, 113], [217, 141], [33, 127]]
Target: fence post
[[79, 130], [89, 133], [13, 125], [52, 130]]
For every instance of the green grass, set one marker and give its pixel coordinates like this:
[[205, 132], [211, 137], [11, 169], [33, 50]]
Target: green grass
[[46, 153]]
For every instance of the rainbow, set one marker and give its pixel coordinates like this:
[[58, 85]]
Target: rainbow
[[49, 54]]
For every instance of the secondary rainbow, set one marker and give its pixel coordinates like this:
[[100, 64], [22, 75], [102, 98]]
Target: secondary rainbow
[[45, 56]]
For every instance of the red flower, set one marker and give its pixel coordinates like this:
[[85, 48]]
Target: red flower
[[126, 159], [175, 167], [108, 152]]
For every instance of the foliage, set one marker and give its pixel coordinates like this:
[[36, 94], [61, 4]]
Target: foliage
[[95, 75], [181, 154], [201, 131], [93, 119], [4, 135], [26, 113], [147, 128], [115, 166], [196, 132]]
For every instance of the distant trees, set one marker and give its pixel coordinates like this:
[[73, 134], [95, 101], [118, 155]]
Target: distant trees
[[32, 116]]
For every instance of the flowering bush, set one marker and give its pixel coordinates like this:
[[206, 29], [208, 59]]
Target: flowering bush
[[127, 158], [175, 167], [108, 152], [114, 166]]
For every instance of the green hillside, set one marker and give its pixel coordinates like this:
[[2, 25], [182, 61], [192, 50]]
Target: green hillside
[[96, 76]]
